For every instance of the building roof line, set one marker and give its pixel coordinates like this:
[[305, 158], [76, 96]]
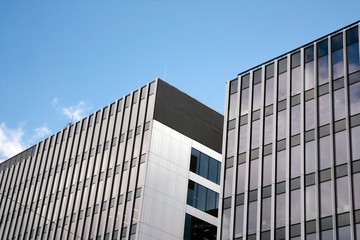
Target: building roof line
[[305, 45]]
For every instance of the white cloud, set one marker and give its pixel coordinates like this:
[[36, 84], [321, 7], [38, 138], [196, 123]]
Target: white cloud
[[55, 101], [77, 112], [14, 141], [11, 141], [40, 133]]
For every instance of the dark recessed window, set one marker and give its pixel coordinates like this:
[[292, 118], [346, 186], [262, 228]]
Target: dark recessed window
[[202, 198], [205, 166], [196, 228]]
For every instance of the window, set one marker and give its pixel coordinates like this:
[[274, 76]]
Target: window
[[241, 178], [269, 91], [323, 66], [257, 96], [282, 85], [352, 42], [354, 98], [281, 125], [340, 148], [339, 104], [309, 68], [244, 101], [337, 56], [295, 120], [280, 166], [325, 199], [324, 146], [205, 166], [202, 198], [324, 109], [195, 227], [239, 216]]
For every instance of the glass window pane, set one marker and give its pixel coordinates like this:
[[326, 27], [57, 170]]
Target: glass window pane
[[255, 139], [204, 165], [243, 139], [280, 210], [355, 143], [295, 81], [310, 157], [268, 130], [228, 182], [266, 214], [244, 101], [241, 179], [354, 97], [324, 110], [309, 75], [342, 195], [295, 120], [231, 143], [252, 217], [309, 54], [344, 233], [324, 146], [328, 235], [267, 166], [295, 161], [213, 170], [338, 64], [322, 48], [325, 199], [340, 148], [356, 186], [281, 126], [282, 86], [309, 115], [191, 196], [232, 106], [295, 207], [201, 198], [323, 70], [269, 95], [225, 234], [254, 171], [339, 104], [211, 202], [257, 96], [239, 219], [353, 57], [281, 166], [310, 203]]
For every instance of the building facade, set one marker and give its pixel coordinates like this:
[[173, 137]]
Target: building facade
[[144, 167], [292, 145]]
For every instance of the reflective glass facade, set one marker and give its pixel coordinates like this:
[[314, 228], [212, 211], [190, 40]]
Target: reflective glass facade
[[120, 173], [291, 145]]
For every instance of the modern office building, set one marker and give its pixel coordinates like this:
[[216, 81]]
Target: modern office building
[[292, 145], [144, 167]]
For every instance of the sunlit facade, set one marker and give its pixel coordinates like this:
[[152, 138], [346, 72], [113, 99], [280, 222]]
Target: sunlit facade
[[144, 167], [292, 145]]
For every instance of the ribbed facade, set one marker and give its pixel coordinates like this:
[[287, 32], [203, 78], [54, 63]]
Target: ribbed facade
[[99, 178], [291, 145]]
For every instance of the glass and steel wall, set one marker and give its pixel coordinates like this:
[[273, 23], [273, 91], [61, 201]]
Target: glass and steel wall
[[85, 181], [291, 145], [202, 198]]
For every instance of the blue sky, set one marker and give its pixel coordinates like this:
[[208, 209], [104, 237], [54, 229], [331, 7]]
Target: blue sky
[[70, 58]]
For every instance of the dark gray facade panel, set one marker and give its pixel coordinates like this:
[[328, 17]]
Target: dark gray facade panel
[[188, 116]]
